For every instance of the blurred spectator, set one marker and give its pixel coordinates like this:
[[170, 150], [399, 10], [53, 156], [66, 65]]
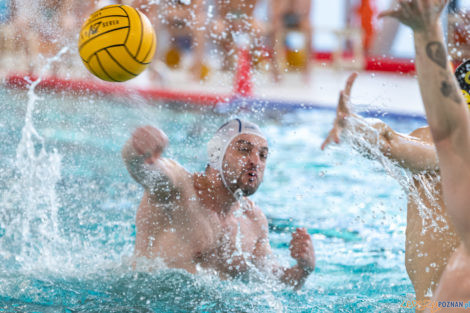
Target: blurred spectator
[[236, 23], [6, 30], [291, 36], [17, 39], [183, 20]]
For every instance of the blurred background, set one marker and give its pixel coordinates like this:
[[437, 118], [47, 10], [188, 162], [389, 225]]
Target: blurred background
[[296, 51], [200, 36]]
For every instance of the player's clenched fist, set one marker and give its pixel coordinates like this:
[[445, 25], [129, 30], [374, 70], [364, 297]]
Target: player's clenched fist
[[149, 142], [301, 249]]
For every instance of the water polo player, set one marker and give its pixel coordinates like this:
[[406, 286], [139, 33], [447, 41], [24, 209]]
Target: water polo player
[[205, 219], [430, 236], [447, 114]]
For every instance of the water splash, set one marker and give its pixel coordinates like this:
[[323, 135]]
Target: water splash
[[240, 213], [97, 212], [30, 206], [368, 144]]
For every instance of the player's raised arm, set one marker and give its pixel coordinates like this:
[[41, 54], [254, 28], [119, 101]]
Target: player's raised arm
[[142, 156], [445, 106], [409, 152], [343, 112]]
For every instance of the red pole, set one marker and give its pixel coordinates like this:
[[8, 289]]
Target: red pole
[[243, 85], [367, 12]]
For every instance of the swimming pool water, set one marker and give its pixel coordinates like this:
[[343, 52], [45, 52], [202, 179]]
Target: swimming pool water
[[67, 230]]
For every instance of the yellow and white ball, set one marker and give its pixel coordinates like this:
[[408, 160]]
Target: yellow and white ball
[[117, 43]]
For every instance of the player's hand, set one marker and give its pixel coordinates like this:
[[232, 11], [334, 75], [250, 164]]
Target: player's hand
[[149, 142], [420, 15], [301, 249], [342, 112]]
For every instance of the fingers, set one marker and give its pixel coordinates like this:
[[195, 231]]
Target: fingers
[[325, 143], [299, 250], [342, 101], [409, 8], [346, 93], [439, 5], [349, 83], [402, 9], [389, 13], [301, 246], [336, 138], [154, 133], [443, 4], [416, 13], [342, 111], [301, 232], [149, 142], [300, 235], [332, 136]]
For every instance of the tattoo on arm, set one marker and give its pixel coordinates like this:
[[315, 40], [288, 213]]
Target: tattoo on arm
[[448, 90], [437, 53]]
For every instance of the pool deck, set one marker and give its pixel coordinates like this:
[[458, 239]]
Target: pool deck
[[377, 92]]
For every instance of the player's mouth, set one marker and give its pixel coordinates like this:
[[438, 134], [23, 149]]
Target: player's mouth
[[252, 176]]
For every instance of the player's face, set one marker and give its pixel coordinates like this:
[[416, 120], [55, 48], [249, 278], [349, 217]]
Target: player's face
[[244, 163]]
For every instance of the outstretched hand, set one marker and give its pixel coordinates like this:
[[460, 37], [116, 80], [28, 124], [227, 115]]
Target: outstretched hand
[[342, 112], [301, 249], [149, 142], [420, 15]]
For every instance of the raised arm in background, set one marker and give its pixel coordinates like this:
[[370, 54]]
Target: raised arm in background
[[414, 152]]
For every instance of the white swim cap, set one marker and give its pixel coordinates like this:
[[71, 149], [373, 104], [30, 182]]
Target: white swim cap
[[217, 146]]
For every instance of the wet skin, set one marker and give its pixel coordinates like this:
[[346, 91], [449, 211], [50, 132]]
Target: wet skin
[[193, 220]]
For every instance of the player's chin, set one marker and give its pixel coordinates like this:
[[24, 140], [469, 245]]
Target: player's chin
[[249, 187], [248, 191]]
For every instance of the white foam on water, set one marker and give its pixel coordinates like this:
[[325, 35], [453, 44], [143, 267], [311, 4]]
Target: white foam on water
[[369, 146], [30, 205]]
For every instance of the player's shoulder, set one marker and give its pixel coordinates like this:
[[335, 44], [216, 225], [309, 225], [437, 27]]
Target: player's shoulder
[[171, 164], [423, 133], [175, 170]]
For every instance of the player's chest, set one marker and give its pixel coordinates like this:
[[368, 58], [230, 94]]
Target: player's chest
[[232, 242]]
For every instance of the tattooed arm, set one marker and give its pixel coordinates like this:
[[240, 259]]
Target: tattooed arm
[[443, 103], [445, 107], [446, 110]]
